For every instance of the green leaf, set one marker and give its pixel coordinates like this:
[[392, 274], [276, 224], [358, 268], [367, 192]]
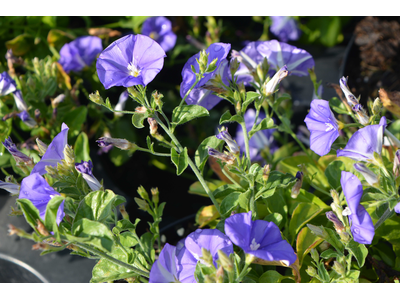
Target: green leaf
[[229, 203], [97, 206], [95, 234], [180, 160], [266, 123], [31, 213], [138, 118], [307, 197], [51, 215], [227, 117], [338, 106], [250, 97], [186, 113], [302, 214], [75, 119], [197, 188], [201, 154], [306, 241], [333, 173], [271, 276], [359, 251], [21, 44], [329, 254], [274, 217], [328, 235], [105, 271], [81, 148]]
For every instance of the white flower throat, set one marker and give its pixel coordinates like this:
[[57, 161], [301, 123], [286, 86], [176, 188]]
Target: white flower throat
[[133, 68], [254, 245], [329, 127]]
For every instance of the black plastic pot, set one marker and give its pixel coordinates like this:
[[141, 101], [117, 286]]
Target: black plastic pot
[[13, 270]]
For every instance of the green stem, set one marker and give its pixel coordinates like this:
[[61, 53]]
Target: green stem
[[190, 162], [386, 215], [113, 260], [155, 153], [191, 88], [241, 275]]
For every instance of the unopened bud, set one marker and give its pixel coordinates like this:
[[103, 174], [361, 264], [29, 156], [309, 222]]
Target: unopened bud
[[351, 99], [142, 192], [228, 158], [219, 275], [57, 100], [338, 268], [123, 212], [225, 261], [339, 227], [361, 114], [69, 155], [209, 279], [396, 164], [42, 229], [271, 85], [311, 271], [225, 136], [369, 176], [314, 255], [133, 91], [335, 197], [141, 109], [297, 186], [157, 99], [377, 106], [266, 171], [96, 98], [143, 205], [155, 195], [202, 61], [206, 257], [234, 65], [42, 147], [119, 143], [212, 66], [153, 126], [324, 246]]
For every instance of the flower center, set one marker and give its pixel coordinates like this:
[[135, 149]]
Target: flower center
[[154, 35], [329, 127], [133, 68], [254, 246]]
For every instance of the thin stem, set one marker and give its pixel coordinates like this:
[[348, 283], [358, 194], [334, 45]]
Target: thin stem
[[155, 153], [241, 275], [386, 215], [113, 260], [190, 162], [230, 178], [191, 88]]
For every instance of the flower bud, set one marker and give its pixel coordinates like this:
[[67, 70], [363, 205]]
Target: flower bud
[[85, 168], [324, 246], [297, 186], [17, 231], [225, 136], [143, 205], [311, 271], [202, 61], [377, 106], [314, 255], [219, 275], [19, 157], [154, 195], [270, 86], [266, 171], [133, 92], [339, 227], [338, 268], [212, 66], [42, 147], [57, 100], [119, 143], [96, 98], [69, 155], [225, 261], [206, 257], [141, 109], [143, 193], [123, 212], [369, 176], [157, 99], [209, 279], [361, 114], [335, 197], [153, 126], [351, 99], [396, 164], [234, 65], [228, 158]]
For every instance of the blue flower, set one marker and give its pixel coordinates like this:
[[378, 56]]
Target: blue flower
[[130, 60], [79, 53], [285, 28], [7, 84], [362, 227], [259, 238], [199, 95], [160, 30], [36, 189], [85, 168], [54, 153], [164, 269], [322, 125], [364, 142]]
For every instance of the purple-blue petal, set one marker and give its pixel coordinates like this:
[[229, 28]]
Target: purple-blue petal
[[164, 268], [54, 153], [285, 28], [162, 27], [397, 208], [186, 265], [7, 84]]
